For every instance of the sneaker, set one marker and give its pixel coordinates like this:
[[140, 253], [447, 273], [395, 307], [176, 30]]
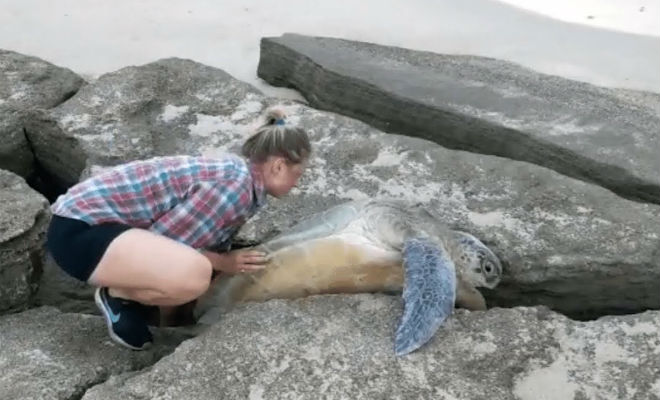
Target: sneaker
[[125, 320]]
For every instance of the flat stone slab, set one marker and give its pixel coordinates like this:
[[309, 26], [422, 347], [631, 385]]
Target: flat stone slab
[[478, 104], [46, 354], [571, 245], [338, 347], [24, 216]]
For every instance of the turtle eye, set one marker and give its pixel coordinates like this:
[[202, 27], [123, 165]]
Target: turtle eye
[[488, 268]]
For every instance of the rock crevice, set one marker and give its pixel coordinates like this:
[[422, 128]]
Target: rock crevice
[[27, 85]]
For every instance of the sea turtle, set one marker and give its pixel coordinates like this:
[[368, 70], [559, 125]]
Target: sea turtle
[[360, 246]]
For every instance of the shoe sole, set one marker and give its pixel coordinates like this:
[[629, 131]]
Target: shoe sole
[[108, 322]]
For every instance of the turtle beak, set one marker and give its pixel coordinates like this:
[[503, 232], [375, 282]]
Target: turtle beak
[[492, 281]]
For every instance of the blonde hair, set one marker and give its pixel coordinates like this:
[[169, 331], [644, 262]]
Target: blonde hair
[[276, 138]]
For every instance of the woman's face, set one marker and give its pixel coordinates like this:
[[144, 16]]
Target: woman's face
[[280, 176]]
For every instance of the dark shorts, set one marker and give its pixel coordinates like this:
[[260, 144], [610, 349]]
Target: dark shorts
[[77, 247]]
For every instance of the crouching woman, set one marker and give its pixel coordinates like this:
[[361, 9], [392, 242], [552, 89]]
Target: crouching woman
[[138, 231]]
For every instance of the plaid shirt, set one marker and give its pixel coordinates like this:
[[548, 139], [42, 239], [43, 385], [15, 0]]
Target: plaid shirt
[[195, 200]]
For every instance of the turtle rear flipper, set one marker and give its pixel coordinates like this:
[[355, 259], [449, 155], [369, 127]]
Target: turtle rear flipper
[[316, 226], [429, 293]]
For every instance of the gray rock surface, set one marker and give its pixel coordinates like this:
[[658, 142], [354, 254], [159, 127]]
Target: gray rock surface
[[60, 290], [24, 216], [15, 152], [571, 245], [133, 113], [478, 104], [27, 81], [339, 347], [45, 354]]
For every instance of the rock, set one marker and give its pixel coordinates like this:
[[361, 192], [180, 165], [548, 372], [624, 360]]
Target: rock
[[27, 82], [339, 347], [573, 246], [46, 354], [477, 104], [15, 152], [64, 292], [137, 112], [24, 216]]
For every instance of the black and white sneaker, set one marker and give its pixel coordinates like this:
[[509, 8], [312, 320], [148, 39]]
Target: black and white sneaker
[[125, 319]]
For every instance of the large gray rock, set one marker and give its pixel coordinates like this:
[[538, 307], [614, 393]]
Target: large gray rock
[[340, 347], [24, 216], [64, 292], [45, 354], [27, 81], [571, 245], [137, 112], [15, 152], [477, 104]]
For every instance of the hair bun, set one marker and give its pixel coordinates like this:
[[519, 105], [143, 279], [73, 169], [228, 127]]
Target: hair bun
[[276, 138], [275, 116]]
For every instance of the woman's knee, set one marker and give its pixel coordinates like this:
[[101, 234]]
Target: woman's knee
[[190, 281]]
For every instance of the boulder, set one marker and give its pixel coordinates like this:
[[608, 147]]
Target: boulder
[[573, 246], [478, 104], [338, 347], [46, 354], [24, 216], [27, 82], [15, 152], [64, 292], [161, 108]]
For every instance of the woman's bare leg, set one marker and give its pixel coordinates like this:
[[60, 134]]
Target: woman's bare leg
[[152, 269]]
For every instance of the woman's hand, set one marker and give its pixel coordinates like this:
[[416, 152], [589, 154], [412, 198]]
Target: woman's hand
[[237, 261]]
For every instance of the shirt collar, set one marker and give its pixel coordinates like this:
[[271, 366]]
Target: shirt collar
[[259, 190]]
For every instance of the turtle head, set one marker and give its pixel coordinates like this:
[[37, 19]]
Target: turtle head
[[475, 262]]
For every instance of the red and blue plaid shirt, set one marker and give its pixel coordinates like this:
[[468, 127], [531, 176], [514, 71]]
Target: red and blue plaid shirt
[[195, 200]]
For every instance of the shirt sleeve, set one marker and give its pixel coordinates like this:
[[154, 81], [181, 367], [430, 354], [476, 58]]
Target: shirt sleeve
[[205, 216]]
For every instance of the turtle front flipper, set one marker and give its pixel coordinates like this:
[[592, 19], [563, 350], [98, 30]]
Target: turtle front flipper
[[429, 293]]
